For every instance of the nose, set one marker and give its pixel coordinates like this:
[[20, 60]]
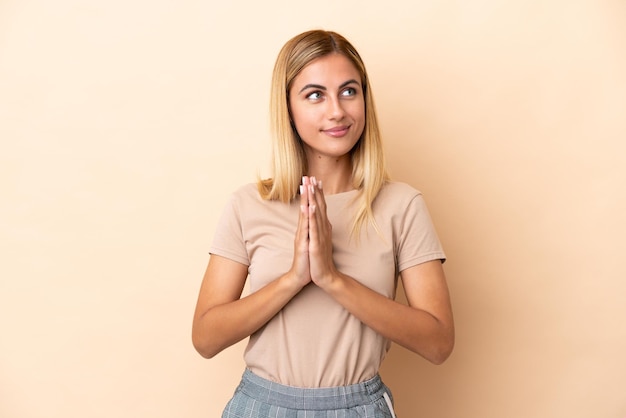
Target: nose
[[335, 109]]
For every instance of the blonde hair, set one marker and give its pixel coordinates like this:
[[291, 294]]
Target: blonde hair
[[289, 161]]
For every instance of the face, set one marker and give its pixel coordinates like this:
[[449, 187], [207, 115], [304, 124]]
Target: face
[[328, 107]]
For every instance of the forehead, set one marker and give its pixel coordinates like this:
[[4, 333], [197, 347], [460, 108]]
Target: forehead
[[327, 71]]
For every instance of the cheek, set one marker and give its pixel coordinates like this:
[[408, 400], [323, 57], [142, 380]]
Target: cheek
[[297, 123], [359, 116], [357, 110], [304, 119], [301, 126], [295, 117]]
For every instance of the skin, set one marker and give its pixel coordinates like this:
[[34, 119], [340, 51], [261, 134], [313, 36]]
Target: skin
[[327, 107]]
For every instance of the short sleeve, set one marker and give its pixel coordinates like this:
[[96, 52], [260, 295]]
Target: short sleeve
[[228, 241], [417, 238]]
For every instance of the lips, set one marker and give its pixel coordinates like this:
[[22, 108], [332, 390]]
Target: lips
[[337, 131]]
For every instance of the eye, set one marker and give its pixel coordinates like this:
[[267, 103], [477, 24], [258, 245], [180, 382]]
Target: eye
[[316, 95], [349, 92]]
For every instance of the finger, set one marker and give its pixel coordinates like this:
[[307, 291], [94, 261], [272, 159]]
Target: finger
[[313, 225], [304, 196], [320, 199], [317, 198], [317, 216], [306, 184], [302, 232], [310, 190]]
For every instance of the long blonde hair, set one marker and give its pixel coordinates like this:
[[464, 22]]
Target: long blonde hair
[[289, 161]]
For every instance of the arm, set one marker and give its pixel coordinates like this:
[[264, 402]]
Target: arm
[[222, 318], [425, 326]]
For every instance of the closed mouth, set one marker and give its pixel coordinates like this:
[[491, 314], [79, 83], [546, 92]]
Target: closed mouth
[[337, 130]]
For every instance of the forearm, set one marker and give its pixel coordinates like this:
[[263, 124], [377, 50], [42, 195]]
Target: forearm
[[410, 327], [225, 324]]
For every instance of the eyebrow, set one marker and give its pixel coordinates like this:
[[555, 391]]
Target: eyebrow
[[320, 87]]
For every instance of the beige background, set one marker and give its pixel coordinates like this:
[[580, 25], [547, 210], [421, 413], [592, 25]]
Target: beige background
[[126, 124]]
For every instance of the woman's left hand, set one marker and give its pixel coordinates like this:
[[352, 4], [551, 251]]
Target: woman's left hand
[[322, 266], [424, 326]]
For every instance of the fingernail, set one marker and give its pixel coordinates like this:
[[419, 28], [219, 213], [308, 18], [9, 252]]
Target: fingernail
[[314, 181], [301, 189], [312, 189], [319, 184], [303, 179]]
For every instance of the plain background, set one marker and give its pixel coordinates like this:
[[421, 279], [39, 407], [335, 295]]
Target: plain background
[[125, 125]]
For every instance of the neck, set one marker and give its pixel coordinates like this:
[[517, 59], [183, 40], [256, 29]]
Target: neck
[[336, 174]]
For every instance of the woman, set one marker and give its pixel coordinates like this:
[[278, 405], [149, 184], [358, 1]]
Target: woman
[[322, 242]]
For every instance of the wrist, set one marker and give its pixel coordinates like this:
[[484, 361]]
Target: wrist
[[291, 282], [331, 282]]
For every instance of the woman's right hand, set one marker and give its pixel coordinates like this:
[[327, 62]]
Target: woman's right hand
[[300, 268], [223, 317]]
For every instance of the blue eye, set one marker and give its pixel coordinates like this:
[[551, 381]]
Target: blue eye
[[314, 96], [349, 92]]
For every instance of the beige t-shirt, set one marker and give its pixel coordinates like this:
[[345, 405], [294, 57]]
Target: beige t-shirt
[[313, 341]]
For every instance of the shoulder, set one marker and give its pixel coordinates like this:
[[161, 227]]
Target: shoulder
[[250, 205], [396, 200], [246, 193], [397, 191]]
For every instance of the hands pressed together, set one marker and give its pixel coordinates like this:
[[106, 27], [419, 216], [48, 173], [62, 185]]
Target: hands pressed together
[[223, 317], [313, 251]]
